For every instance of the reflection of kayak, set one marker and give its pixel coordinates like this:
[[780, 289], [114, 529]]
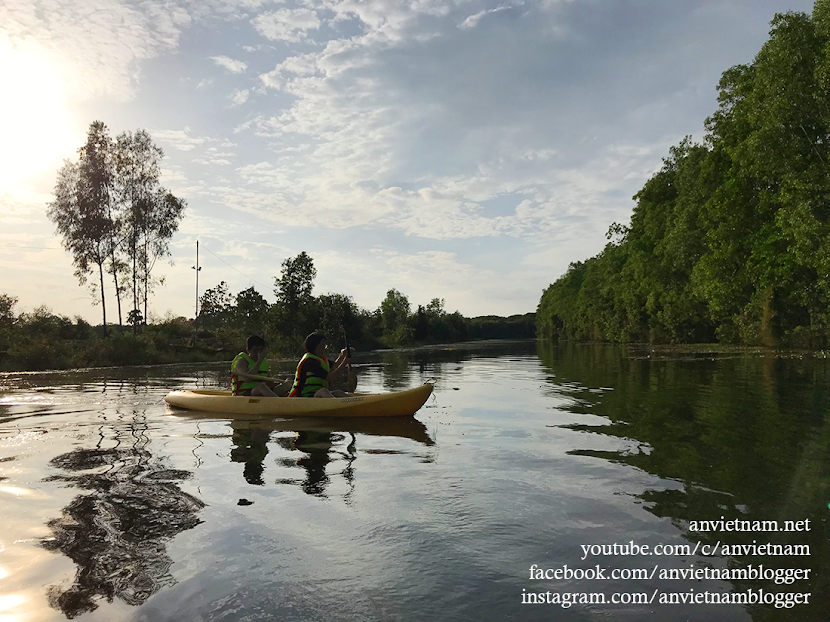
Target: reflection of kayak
[[403, 427], [355, 405]]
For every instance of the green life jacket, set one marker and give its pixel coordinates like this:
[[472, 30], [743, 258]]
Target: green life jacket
[[313, 382], [237, 384]]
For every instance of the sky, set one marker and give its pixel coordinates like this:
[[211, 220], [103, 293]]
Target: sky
[[467, 150]]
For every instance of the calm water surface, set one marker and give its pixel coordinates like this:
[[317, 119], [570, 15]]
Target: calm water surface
[[115, 506]]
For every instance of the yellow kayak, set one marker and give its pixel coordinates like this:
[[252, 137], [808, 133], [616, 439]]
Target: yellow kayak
[[394, 404]]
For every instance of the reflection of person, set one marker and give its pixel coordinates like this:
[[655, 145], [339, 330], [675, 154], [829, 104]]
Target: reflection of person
[[317, 446], [314, 370], [250, 448], [249, 364]]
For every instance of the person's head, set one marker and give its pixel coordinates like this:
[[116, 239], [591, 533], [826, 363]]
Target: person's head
[[255, 343], [315, 344]]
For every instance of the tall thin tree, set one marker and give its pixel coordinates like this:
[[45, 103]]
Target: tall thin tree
[[81, 208], [151, 214]]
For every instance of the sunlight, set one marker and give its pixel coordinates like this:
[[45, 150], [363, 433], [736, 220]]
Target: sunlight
[[21, 492], [13, 490], [16, 491], [34, 116], [11, 601]]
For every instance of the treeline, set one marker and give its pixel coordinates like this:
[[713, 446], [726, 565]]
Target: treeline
[[227, 318], [730, 240], [44, 340]]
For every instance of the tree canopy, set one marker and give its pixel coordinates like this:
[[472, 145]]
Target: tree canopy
[[729, 240], [82, 208], [230, 318], [113, 214]]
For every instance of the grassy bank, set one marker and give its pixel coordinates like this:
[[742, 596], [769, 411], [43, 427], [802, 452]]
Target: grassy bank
[[43, 340]]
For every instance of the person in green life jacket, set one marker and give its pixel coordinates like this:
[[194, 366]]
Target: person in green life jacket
[[314, 371], [249, 364]]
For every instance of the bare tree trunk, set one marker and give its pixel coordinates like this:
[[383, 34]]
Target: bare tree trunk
[[117, 297], [117, 291], [146, 283], [135, 290], [103, 297]]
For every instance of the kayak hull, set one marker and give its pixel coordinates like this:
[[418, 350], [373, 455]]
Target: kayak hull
[[396, 404]]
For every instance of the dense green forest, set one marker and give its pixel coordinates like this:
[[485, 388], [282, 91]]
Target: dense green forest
[[44, 340], [729, 241]]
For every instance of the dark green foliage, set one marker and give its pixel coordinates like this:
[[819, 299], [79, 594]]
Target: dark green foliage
[[43, 340], [730, 240], [434, 325], [394, 314], [82, 209], [215, 306], [293, 314], [251, 310], [338, 314], [7, 316], [495, 327]]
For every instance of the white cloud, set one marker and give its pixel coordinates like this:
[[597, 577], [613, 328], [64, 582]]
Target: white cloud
[[473, 20], [389, 20], [179, 139], [99, 48], [174, 175], [234, 66], [286, 24], [424, 131], [427, 126], [422, 276], [239, 97], [22, 205]]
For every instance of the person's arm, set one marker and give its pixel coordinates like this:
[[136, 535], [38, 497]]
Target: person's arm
[[339, 365], [242, 369]]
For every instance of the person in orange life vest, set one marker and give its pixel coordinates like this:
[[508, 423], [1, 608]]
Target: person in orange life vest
[[249, 364], [315, 371]]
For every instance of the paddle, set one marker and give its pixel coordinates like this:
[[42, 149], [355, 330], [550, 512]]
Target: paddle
[[351, 382], [281, 387], [263, 378]]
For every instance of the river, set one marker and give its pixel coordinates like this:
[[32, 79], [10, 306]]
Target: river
[[540, 482]]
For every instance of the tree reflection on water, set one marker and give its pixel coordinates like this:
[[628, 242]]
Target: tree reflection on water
[[117, 533], [745, 436]]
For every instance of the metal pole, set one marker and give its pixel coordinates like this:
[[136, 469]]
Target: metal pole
[[197, 268]]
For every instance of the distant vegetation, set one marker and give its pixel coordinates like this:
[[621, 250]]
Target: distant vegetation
[[43, 340], [730, 241], [228, 319], [116, 220]]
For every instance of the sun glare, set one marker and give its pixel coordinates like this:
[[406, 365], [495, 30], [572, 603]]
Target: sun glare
[[35, 129]]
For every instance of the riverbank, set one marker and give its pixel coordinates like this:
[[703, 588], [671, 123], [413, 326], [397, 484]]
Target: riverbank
[[696, 350], [44, 341]]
